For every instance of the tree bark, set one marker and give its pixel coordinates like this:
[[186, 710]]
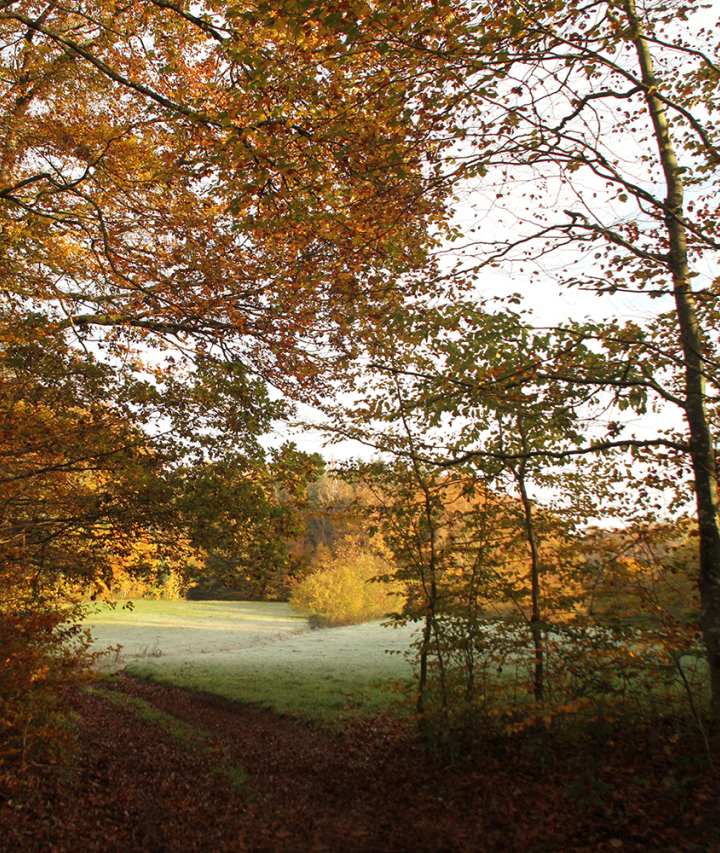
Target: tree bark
[[701, 444], [535, 626]]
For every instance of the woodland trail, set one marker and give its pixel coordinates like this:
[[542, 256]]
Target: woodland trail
[[366, 789]]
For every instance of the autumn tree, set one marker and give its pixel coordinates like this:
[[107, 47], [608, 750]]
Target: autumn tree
[[84, 485], [584, 138], [77, 472], [349, 584], [80, 483], [202, 199], [236, 181], [195, 201], [631, 120], [452, 393]]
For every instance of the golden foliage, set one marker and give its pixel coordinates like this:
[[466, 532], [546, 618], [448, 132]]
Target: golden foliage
[[350, 584]]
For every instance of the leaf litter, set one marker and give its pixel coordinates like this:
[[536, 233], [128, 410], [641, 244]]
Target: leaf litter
[[134, 785]]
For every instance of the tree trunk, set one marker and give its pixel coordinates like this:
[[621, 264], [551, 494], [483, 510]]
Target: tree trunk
[[535, 626], [701, 444]]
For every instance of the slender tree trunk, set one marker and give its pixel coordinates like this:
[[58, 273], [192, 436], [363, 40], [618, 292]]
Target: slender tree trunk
[[422, 683], [535, 626], [701, 444], [429, 582]]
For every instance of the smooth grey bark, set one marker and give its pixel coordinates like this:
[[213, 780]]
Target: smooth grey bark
[[698, 422]]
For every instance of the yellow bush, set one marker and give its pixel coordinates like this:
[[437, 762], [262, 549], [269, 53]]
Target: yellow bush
[[341, 588]]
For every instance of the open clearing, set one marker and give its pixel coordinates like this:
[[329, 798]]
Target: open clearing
[[171, 628], [259, 652]]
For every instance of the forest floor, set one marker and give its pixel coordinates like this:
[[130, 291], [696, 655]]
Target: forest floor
[[230, 778]]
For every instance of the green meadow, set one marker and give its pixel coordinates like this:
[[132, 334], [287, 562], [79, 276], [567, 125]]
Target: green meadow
[[257, 652]]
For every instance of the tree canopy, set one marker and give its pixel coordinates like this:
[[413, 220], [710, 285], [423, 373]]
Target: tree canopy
[[196, 201]]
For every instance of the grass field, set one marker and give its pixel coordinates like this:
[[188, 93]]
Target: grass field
[[260, 652]]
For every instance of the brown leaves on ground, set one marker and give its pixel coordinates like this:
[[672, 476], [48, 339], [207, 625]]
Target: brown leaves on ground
[[133, 787]]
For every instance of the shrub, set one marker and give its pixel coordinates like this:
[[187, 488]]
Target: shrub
[[349, 586], [44, 650]]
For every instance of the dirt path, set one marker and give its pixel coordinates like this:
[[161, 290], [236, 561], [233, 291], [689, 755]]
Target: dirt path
[[367, 789]]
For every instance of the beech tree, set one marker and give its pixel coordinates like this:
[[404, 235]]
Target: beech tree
[[455, 395], [582, 140], [195, 201], [235, 180], [586, 133]]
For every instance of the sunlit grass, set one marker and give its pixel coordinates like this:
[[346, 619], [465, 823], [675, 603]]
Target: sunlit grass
[[264, 653], [258, 652], [324, 675], [167, 628], [161, 612]]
